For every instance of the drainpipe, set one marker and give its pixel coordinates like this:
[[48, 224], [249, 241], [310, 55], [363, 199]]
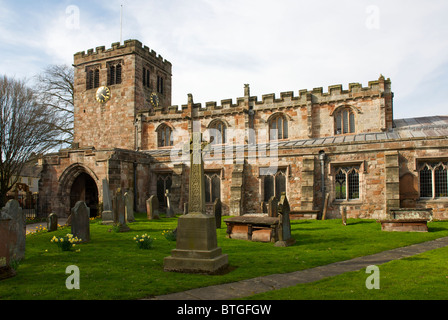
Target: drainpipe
[[322, 158]]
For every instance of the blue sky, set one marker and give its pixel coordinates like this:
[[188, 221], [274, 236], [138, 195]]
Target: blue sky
[[216, 46]]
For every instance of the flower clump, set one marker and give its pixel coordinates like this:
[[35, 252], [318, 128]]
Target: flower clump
[[170, 235], [66, 243], [144, 242]]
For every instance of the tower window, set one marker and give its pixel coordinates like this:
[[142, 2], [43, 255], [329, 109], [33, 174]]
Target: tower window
[[93, 77], [344, 121], [160, 84], [146, 75], [113, 73]]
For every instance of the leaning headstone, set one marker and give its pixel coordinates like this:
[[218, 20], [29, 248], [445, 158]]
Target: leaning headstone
[[152, 208], [217, 211], [284, 209], [52, 222], [107, 215], [129, 206], [81, 221], [273, 207], [118, 205], [14, 212], [169, 208], [185, 208]]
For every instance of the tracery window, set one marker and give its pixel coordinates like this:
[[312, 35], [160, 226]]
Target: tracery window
[[164, 182], [347, 183], [145, 77], [433, 180], [93, 77], [278, 128], [218, 132], [345, 121], [164, 136], [274, 184], [212, 186]]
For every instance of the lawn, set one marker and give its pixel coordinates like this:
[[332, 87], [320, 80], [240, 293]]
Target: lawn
[[113, 267]]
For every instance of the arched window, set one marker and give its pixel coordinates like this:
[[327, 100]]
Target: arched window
[[278, 128], [344, 121], [164, 136], [113, 73], [212, 186], [433, 180], [218, 132], [347, 183], [274, 184]]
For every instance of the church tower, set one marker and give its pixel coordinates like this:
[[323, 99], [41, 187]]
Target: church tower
[[111, 87]]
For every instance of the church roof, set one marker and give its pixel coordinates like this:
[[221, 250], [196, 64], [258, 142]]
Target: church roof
[[410, 128]]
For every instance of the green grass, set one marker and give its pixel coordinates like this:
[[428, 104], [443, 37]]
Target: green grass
[[112, 267], [420, 277]]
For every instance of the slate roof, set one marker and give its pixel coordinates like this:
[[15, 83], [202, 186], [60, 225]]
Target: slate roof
[[423, 127]]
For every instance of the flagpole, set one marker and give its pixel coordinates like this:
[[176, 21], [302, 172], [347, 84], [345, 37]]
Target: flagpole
[[121, 24]]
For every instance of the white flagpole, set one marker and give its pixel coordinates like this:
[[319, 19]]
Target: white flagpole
[[121, 24]]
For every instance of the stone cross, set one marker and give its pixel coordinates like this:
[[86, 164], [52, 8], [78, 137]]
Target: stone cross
[[81, 221], [196, 200]]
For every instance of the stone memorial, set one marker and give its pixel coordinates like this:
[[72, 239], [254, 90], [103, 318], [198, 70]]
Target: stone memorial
[[81, 221], [217, 212], [52, 222], [169, 208], [12, 211], [129, 206], [152, 208], [284, 233], [196, 246], [107, 215], [273, 207], [118, 208]]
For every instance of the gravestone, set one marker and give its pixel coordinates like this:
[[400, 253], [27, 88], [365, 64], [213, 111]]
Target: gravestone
[[284, 235], [152, 208], [169, 208], [129, 206], [217, 211], [107, 215], [273, 207], [81, 221], [118, 207], [12, 211], [52, 222], [196, 246], [344, 216]]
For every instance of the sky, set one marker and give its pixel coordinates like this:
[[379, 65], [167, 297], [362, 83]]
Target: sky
[[217, 46]]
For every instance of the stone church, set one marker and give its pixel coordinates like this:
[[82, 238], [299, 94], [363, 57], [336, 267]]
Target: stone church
[[342, 145]]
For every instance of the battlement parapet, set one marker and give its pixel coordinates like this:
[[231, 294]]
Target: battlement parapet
[[129, 46], [335, 93]]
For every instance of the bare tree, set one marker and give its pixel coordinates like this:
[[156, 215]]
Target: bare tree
[[26, 130], [54, 89]]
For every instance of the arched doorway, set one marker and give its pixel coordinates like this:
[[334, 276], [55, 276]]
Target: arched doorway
[[85, 189]]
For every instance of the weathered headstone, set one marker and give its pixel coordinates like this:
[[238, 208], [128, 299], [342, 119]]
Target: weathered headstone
[[284, 235], [14, 212], [129, 206], [52, 222], [81, 221], [169, 208], [107, 215], [152, 208], [273, 207], [118, 207], [344, 216], [217, 212], [196, 246]]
